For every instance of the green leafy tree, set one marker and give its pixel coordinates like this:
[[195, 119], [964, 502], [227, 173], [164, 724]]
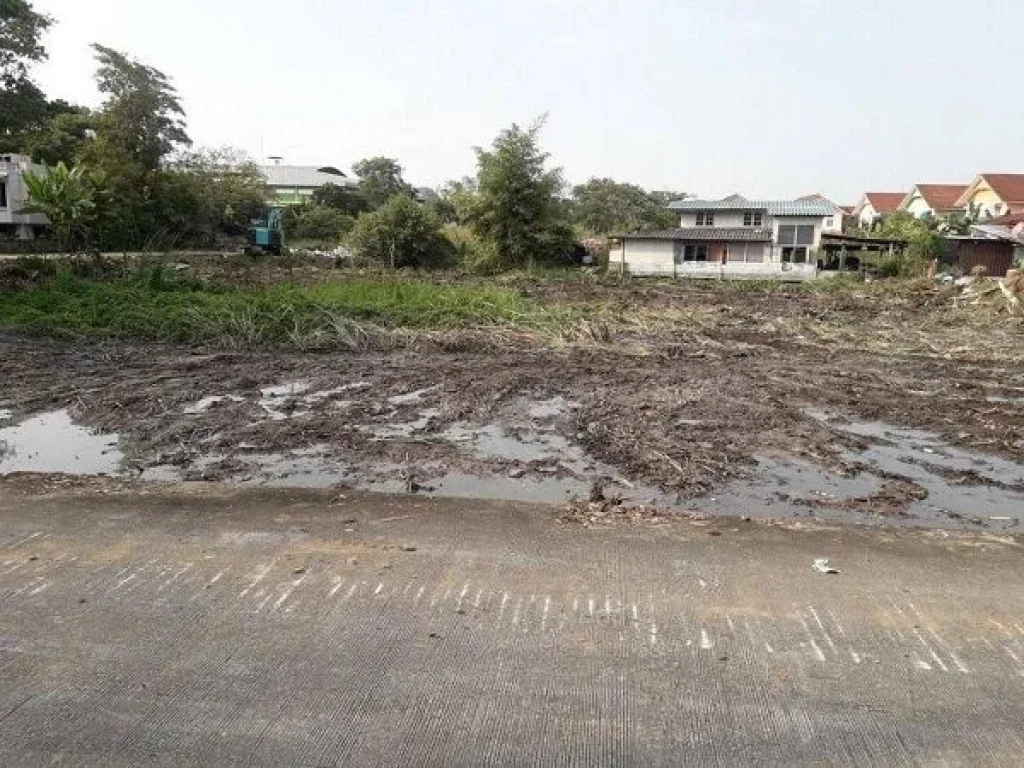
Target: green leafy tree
[[520, 209], [23, 107], [218, 193], [380, 179], [317, 224], [64, 138], [402, 233], [923, 242], [142, 120], [140, 124], [344, 199], [68, 199], [605, 206], [456, 201]]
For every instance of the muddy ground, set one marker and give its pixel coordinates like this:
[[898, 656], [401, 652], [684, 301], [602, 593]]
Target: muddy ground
[[869, 407]]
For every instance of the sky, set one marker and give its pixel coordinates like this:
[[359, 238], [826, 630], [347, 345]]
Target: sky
[[770, 98]]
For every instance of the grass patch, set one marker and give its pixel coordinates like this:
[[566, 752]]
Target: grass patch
[[156, 305]]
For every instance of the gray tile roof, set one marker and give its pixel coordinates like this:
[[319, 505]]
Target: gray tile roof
[[706, 234], [771, 207], [303, 176]]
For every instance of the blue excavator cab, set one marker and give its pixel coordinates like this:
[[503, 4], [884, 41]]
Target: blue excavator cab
[[267, 234]]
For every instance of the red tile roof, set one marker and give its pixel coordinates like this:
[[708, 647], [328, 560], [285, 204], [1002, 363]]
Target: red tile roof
[[885, 202], [941, 197], [1008, 220], [1009, 186]]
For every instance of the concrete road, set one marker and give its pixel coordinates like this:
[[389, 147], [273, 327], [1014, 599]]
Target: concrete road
[[208, 627]]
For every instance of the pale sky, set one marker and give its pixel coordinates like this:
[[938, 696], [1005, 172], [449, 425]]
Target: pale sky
[[771, 98]]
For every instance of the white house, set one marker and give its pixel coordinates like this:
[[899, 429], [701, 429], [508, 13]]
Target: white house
[[733, 237], [874, 206], [938, 200], [14, 197]]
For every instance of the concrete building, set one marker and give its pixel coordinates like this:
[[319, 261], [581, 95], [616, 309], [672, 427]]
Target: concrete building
[[14, 196], [732, 238], [834, 224], [875, 206], [994, 194], [937, 200], [294, 184]]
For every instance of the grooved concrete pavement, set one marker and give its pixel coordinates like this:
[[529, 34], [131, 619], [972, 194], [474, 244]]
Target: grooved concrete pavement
[[219, 626]]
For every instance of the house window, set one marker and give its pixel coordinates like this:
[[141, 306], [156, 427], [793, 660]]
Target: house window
[[3, 194], [793, 234], [830, 222], [705, 219], [752, 219], [794, 255], [691, 252]]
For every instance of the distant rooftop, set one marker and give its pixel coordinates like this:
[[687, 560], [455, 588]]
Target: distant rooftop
[[805, 207], [308, 176]]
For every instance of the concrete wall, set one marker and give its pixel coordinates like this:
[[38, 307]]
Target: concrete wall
[[868, 216], [657, 258], [799, 221], [23, 225], [644, 257]]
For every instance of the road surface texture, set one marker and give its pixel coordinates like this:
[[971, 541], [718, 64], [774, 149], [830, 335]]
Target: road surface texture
[[219, 626]]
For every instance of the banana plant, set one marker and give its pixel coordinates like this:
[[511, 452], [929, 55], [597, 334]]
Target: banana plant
[[67, 198]]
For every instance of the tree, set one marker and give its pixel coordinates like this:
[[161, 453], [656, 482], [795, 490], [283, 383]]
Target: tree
[[142, 121], [605, 206], [23, 107], [519, 208], [220, 192], [923, 243], [67, 198], [456, 201], [402, 233], [345, 199], [380, 179], [64, 138], [317, 223]]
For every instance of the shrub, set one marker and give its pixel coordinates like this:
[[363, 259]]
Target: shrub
[[402, 233]]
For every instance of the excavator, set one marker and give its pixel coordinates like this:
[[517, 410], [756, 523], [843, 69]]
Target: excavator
[[267, 234]]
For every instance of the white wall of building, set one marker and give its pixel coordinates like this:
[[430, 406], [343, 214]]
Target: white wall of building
[[918, 206], [868, 216], [722, 219], [644, 257]]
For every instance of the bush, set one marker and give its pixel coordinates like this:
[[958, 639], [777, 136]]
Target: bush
[[470, 250], [319, 224], [402, 233]]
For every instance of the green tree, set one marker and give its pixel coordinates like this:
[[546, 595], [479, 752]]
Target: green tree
[[23, 107], [605, 206], [64, 138], [140, 124], [923, 242], [519, 209], [402, 233], [317, 224], [345, 199], [456, 201], [142, 120], [380, 179], [68, 199], [219, 192]]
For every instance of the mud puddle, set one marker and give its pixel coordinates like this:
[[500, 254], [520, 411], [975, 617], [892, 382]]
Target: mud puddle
[[898, 476], [52, 442]]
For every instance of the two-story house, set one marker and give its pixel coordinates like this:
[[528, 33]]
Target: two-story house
[[15, 225], [732, 237]]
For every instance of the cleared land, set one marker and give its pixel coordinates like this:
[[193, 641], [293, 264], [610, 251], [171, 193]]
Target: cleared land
[[875, 403]]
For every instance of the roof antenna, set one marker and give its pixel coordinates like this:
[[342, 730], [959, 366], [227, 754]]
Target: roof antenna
[[275, 158]]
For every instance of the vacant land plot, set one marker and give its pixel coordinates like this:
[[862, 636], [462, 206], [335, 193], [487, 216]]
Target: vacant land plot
[[838, 401]]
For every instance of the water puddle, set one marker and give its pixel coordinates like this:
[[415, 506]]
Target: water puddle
[[410, 397], [6, 414], [907, 477], [52, 442]]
